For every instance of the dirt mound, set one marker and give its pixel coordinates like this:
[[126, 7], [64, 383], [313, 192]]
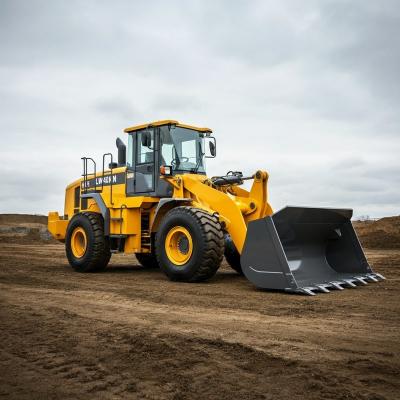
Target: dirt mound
[[24, 229], [381, 234], [22, 218]]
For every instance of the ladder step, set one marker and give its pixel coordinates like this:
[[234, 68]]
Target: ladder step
[[145, 234], [114, 236]]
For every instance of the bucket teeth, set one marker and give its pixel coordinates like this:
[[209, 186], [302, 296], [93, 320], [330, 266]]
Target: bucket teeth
[[323, 288], [376, 277], [372, 277], [307, 290], [361, 279], [340, 285], [350, 282], [337, 285]]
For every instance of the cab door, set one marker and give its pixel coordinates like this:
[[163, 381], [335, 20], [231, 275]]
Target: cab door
[[144, 166]]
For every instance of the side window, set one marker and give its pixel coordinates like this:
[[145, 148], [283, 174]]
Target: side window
[[166, 154], [167, 146], [189, 150], [145, 152]]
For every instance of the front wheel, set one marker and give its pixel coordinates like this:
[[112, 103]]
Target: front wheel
[[189, 244], [232, 256], [86, 247]]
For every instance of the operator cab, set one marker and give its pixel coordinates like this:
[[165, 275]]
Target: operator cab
[[166, 146]]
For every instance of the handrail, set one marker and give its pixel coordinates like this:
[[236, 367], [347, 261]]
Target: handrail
[[111, 176], [85, 173]]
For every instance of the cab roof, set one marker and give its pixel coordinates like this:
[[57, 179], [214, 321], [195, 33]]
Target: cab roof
[[165, 122]]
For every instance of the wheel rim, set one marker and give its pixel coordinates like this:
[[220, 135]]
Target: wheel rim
[[78, 242], [179, 245]]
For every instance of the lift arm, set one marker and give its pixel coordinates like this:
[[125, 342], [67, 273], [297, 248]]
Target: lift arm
[[234, 205]]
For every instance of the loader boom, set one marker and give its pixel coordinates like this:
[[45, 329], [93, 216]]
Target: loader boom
[[235, 206]]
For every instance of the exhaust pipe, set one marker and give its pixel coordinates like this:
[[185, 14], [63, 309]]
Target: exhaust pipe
[[305, 250], [121, 152]]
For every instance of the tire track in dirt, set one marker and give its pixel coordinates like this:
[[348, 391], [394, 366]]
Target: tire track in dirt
[[130, 333], [98, 359], [302, 337]]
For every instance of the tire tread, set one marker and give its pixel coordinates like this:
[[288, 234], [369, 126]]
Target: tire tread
[[213, 239], [100, 255]]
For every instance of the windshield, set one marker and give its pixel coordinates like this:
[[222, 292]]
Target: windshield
[[183, 149]]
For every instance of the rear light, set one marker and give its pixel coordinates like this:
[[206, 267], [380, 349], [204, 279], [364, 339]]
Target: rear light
[[166, 170]]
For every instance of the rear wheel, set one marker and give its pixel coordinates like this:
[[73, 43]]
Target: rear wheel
[[232, 256], [86, 247], [147, 260], [189, 244]]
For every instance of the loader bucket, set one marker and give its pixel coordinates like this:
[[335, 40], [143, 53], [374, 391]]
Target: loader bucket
[[305, 250]]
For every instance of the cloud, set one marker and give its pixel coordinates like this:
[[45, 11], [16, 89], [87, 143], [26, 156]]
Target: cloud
[[308, 91]]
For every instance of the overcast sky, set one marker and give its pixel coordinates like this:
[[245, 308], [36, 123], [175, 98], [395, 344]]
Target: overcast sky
[[308, 90]]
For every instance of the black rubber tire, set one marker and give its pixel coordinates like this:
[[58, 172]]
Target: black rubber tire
[[208, 244], [147, 260], [98, 253], [232, 256]]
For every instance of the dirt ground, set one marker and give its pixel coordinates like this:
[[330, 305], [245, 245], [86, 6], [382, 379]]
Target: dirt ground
[[131, 333], [381, 234]]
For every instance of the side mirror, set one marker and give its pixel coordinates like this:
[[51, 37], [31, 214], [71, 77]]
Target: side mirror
[[212, 145], [212, 148]]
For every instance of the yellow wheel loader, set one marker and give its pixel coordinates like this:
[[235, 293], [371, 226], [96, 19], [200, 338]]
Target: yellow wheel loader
[[157, 202]]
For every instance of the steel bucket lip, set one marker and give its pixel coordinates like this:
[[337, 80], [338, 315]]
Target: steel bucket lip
[[343, 282], [299, 211], [330, 277]]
